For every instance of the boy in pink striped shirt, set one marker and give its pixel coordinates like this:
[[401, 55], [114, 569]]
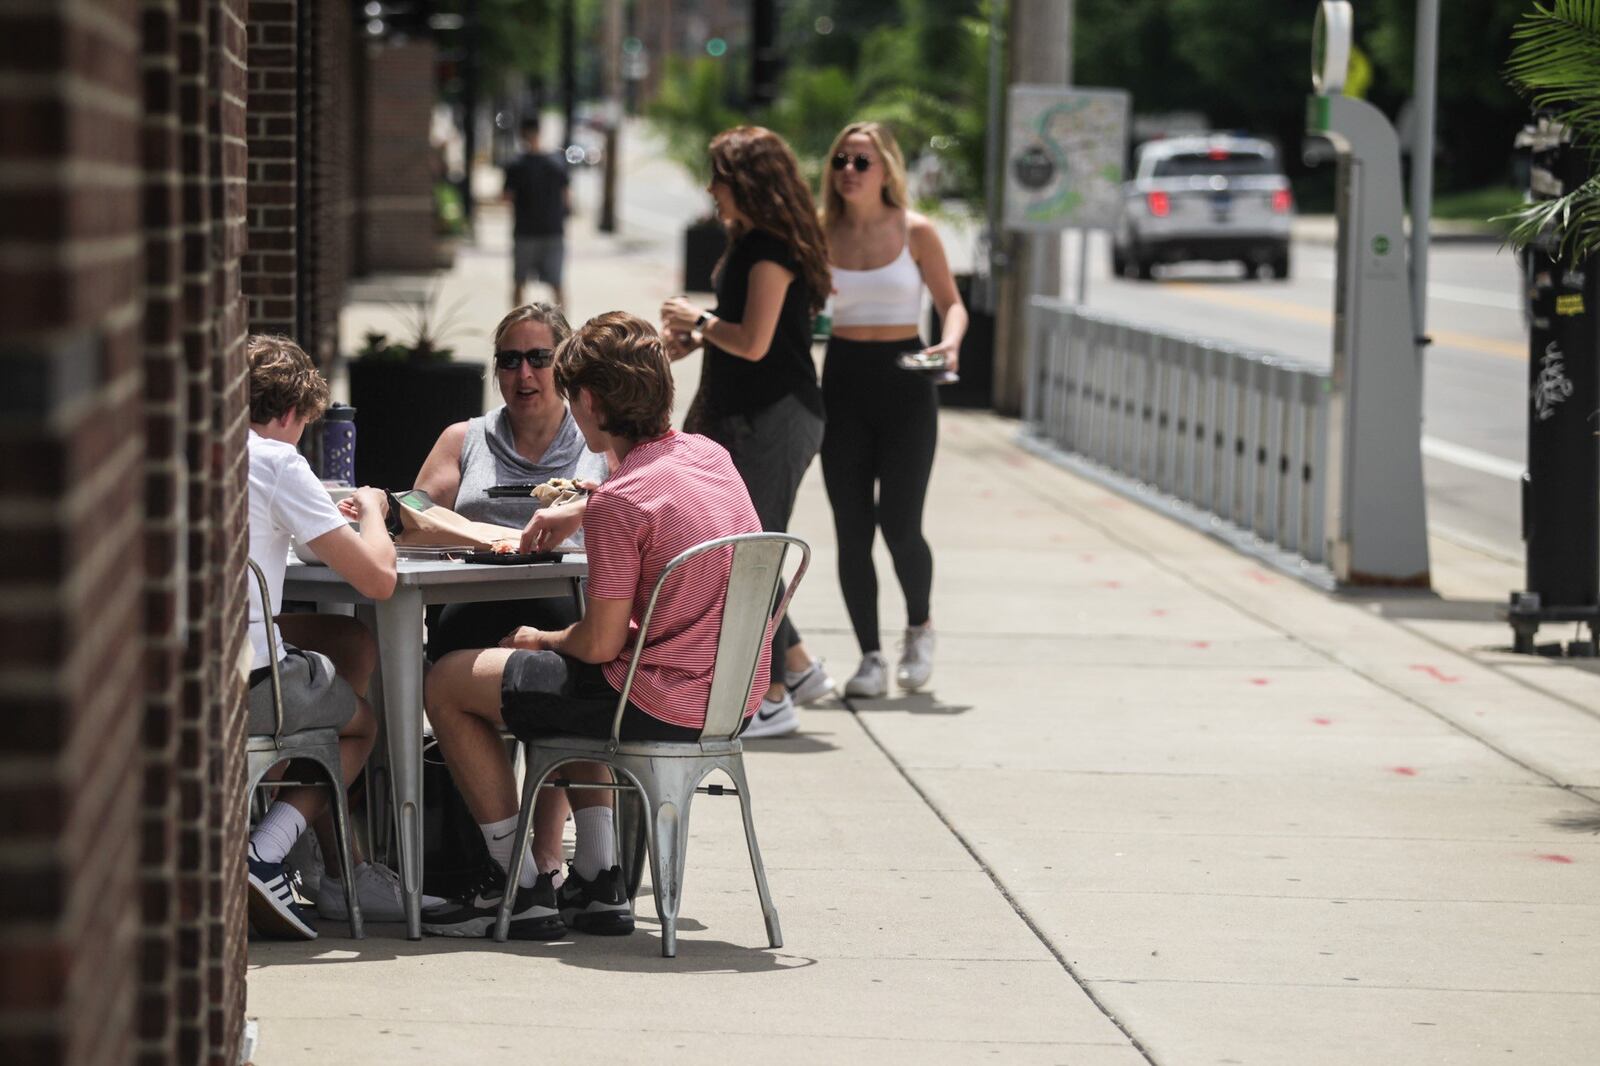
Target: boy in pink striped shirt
[[669, 492]]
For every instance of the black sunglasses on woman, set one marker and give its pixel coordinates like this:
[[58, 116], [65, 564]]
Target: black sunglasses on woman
[[861, 163], [512, 359]]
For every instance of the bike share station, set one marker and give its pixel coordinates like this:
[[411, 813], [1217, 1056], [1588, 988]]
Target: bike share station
[[1561, 488], [1376, 529]]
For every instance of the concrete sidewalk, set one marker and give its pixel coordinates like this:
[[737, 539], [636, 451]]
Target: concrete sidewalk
[[1160, 806]]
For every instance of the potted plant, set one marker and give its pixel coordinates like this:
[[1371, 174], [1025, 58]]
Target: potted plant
[[406, 392]]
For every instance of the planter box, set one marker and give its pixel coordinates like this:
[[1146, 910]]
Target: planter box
[[401, 408], [703, 243], [976, 387]]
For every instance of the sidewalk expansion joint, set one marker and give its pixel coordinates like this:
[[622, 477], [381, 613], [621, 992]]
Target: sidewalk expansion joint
[[1005, 893]]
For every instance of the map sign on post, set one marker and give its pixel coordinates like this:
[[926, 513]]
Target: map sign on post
[[1064, 157]]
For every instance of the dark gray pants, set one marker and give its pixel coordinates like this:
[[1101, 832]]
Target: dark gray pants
[[771, 449]]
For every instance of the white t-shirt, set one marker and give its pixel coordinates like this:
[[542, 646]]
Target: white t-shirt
[[286, 500]]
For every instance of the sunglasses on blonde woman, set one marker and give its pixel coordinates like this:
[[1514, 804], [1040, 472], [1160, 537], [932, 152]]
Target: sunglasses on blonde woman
[[860, 162]]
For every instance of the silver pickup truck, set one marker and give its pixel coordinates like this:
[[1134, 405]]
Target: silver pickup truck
[[1216, 197]]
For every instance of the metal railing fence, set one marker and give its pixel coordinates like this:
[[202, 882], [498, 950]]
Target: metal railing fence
[[1238, 436]]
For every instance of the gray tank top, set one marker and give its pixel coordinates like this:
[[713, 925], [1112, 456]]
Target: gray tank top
[[489, 457]]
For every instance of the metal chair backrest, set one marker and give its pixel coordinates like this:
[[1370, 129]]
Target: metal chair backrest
[[272, 646], [755, 578]]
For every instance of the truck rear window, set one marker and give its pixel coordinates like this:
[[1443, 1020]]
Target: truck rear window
[[1201, 163]]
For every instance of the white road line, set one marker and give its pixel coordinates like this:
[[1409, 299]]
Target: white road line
[[1471, 459], [1459, 294]]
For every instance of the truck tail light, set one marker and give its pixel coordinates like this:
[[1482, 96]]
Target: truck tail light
[[1159, 203], [1282, 202]]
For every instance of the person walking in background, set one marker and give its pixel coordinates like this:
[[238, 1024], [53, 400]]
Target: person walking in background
[[541, 199], [758, 388], [883, 419]]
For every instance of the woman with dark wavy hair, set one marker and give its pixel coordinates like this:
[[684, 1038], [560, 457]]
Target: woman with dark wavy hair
[[759, 396]]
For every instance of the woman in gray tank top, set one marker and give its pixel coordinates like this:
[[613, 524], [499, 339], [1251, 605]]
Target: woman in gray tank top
[[528, 439]]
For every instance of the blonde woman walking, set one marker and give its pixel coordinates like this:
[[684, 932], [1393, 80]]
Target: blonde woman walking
[[883, 419]]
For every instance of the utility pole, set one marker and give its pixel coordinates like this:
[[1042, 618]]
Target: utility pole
[[1425, 77], [1041, 54], [764, 56], [471, 61], [613, 66], [569, 73]]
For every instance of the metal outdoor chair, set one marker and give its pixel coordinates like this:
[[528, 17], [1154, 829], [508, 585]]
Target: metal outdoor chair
[[263, 751], [665, 776]]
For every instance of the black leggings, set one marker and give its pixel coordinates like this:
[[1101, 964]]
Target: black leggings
[[877, 455]]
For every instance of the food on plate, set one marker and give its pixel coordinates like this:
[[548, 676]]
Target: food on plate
[[557, 490], [504, 547]]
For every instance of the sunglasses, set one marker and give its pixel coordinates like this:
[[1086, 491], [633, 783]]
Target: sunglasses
[[511, 359], [860, 162]]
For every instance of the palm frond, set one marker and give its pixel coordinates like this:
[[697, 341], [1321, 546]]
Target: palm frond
[[1555, 62], [1572, 222]]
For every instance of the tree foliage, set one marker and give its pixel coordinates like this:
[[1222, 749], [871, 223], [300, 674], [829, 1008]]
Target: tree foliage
[[1556, 63]]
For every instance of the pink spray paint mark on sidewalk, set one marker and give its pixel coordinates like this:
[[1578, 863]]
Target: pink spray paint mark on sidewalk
[[1260, 578], [1403, 771], [1435, 673], [1563, 860], [1322, 721], [1201, 644], [1261, 681]]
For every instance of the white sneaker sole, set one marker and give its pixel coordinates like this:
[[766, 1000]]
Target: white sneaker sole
[[815, 685], [914, 684], [866, 692], [779, 725]]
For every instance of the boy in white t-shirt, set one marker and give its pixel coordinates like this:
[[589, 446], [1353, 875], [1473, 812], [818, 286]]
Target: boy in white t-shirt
[[324, 661]]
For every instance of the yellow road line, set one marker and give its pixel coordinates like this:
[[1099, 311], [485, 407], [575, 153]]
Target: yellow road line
[[1441, 337]]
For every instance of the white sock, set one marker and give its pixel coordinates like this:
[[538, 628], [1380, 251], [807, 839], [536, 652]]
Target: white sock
[[596, 851], [499, 837], [277, 832]]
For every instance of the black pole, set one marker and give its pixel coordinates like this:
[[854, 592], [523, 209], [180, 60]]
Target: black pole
[[764, 59], [469, 101], [569, 72], [1561, 489]]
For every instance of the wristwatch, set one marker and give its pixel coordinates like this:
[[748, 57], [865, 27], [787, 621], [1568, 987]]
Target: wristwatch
[[700, 323]]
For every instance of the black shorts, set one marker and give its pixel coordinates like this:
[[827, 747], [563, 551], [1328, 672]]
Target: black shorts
[[545, 693]]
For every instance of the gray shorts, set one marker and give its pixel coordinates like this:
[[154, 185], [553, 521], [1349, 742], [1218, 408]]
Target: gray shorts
[[314, 697], [538, 259]]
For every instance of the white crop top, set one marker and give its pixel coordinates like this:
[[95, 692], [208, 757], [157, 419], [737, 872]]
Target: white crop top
[[888, 296]]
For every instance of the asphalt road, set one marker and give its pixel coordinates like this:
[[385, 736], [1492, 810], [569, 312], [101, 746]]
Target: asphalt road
[[1475, 372]]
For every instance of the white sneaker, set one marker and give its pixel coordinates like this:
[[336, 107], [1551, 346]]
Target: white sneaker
[[774, 718], [871, 679], [377, 890], [808, 685], [916, 658]]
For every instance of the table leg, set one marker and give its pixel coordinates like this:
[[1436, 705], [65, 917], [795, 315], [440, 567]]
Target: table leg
[[380, 824], [400, 654]]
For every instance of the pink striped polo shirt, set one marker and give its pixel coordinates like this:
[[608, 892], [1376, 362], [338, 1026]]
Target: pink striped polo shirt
[[668, 495]]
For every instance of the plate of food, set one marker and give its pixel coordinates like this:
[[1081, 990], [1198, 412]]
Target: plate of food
[[556, 491]]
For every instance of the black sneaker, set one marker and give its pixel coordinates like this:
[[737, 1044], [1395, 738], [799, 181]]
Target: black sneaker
[[474, 912], [273, 910], [599, 906]]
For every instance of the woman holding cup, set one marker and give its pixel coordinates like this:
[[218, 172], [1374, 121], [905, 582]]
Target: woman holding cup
[[758, 393]]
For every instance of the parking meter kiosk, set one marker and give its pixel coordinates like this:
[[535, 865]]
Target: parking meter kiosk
[[1377, 523]]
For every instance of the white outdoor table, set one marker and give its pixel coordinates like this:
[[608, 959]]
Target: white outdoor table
[[397, 623]]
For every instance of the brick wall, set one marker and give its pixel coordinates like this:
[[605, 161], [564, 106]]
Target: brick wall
[[71, 391], [273, 126], [397, 205], [165, 480], [299, 123], [122, 510]]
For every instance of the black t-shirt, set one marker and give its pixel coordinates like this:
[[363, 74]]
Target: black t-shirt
[[732, 385], [537, 184]]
